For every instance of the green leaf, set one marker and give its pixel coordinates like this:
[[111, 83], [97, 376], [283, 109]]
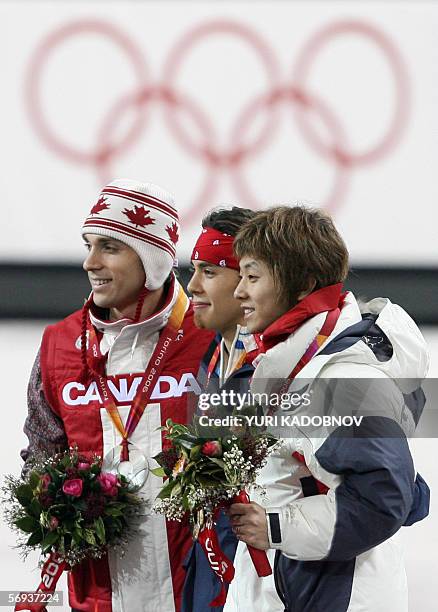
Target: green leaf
[[77, 535], [176, 489], [195, 452], [159, 471], [27, 524], [35, 508], [205, 481], [34, 479], [24, 494], [69, 525], [100, 529], [113, 511], [185, 503], [187, 440], [167, 489], [35, 538], [65, 461], [218, 462], [61, 545], [210, 468], [89, 537], [79, 504], [49, 540]]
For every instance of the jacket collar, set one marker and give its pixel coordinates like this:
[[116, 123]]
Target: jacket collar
[[322, 300], [152, 324]]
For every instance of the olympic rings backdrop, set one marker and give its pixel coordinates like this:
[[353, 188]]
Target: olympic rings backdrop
[[247, 103], [253, 103]]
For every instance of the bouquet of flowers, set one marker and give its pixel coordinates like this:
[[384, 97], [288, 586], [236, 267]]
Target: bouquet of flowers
[[208, 468], [66, 506]]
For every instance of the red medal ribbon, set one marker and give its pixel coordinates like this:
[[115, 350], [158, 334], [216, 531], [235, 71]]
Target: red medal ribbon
[[259, 557], [214, 361], [219, 562], [329, 325], [50, 574]]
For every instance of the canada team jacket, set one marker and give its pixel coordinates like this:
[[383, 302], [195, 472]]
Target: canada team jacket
[[149, 578]]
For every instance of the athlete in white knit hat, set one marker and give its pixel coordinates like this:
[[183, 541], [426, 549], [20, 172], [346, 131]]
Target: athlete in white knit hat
[[136, 325]]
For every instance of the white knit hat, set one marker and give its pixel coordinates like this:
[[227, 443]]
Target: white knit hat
[[143, 216]]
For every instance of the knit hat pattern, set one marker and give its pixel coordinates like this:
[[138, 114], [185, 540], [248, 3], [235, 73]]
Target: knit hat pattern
[[143, 216]]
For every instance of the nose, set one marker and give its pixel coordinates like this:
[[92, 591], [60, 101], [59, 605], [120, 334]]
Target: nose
[[240, 291], [194, 287], [91, 262]]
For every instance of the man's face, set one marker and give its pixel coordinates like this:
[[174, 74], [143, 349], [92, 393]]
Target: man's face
[[258, 296], [115, 272], [214, 306]]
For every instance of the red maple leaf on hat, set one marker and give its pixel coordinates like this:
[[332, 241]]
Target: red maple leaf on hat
[[139, 216], [173, 232], [100, 205]]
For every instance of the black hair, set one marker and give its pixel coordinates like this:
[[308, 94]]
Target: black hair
[[228, 220]]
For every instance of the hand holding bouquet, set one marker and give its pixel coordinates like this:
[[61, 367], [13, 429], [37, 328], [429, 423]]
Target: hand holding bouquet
[[206, 469]]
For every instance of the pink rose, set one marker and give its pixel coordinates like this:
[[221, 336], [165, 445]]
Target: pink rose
[[83, 465], [73, 487], [212, 448], [45, 481], [109, 483], [53, 524]]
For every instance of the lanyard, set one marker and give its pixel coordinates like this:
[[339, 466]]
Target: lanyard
[[214, 360], [150, 376], [325, 331]]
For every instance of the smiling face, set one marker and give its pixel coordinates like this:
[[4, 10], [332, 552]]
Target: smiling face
[[116, 274], [258, 296], [214, 306]]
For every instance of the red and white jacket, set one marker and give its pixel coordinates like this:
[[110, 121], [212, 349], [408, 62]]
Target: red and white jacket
[[149, 577]]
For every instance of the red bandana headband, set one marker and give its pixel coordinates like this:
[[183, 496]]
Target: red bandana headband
[[216, 248]]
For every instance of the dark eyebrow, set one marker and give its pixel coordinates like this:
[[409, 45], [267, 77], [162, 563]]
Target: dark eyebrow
[[206, 264], [103, 240], [251, 264]]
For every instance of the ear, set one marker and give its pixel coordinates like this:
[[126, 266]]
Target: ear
[[311, 284]]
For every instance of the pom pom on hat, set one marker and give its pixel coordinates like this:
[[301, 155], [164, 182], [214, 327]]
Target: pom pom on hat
[[143, 216]]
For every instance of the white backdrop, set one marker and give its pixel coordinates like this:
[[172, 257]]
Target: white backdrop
[[107, 62], [79, 75]]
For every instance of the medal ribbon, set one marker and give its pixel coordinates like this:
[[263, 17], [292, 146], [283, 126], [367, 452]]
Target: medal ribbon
[[325, 331], [215, 358], [50, 574], [150, 377], [218, 561], [258, 556]]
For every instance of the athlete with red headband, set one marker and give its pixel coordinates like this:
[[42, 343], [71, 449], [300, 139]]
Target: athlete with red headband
[[87, 384], [214, 280], [215, 277]]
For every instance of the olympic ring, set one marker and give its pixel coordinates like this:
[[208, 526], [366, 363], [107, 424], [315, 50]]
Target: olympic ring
[[240, 151], [175, 59], [300, 75], [304, 101], [35, 71]]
